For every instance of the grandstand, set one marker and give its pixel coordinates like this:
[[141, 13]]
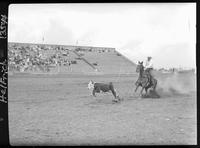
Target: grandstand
[[83, 59]]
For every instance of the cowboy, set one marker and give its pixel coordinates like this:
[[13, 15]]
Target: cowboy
[[149, 67]]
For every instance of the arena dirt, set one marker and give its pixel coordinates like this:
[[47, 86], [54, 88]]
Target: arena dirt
[[59, 110]]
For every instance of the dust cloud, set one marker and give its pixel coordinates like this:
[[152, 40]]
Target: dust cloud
[[176, 84]]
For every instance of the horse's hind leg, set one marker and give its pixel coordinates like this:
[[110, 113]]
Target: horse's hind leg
[[146, 90]]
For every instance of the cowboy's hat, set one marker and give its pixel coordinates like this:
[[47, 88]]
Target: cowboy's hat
[[149, 57]]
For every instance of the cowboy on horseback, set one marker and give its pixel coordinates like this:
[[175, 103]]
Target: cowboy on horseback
[[145, 79], [149, 68]]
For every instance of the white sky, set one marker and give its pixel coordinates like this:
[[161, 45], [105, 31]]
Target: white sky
[[165, 31]]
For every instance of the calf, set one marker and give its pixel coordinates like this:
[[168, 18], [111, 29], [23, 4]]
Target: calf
[[102, 87]]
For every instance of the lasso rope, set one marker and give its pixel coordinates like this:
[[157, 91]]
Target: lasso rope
[[118, 77]]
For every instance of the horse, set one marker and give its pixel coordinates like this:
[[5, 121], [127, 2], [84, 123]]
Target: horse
[[144, 79]]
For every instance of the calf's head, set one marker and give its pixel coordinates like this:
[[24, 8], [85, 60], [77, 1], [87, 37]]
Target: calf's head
[[90, 84]]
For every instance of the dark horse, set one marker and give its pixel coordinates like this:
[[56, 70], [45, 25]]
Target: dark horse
[[144, 79]]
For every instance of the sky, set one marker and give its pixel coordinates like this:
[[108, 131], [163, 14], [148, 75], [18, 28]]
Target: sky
[[165, 31]]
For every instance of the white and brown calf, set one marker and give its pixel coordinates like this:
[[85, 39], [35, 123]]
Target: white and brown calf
[[102, 87]]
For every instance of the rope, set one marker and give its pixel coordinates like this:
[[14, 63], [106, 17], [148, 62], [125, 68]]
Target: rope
[[118, 77]]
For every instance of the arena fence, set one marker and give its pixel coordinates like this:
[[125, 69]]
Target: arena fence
[[34, 69]]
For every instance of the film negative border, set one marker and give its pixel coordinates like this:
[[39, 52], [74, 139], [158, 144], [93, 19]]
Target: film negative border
[[4, 124], [4, 133]]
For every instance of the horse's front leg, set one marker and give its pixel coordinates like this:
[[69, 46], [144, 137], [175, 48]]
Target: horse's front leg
[[136, 88], [141, 91]]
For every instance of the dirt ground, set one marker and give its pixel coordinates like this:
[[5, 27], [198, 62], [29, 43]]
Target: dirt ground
[[59, 110]]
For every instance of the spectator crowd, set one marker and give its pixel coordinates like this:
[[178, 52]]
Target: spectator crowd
[[35, 57]]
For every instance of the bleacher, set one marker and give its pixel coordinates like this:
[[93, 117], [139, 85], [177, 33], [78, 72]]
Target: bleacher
[[94, 61]]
